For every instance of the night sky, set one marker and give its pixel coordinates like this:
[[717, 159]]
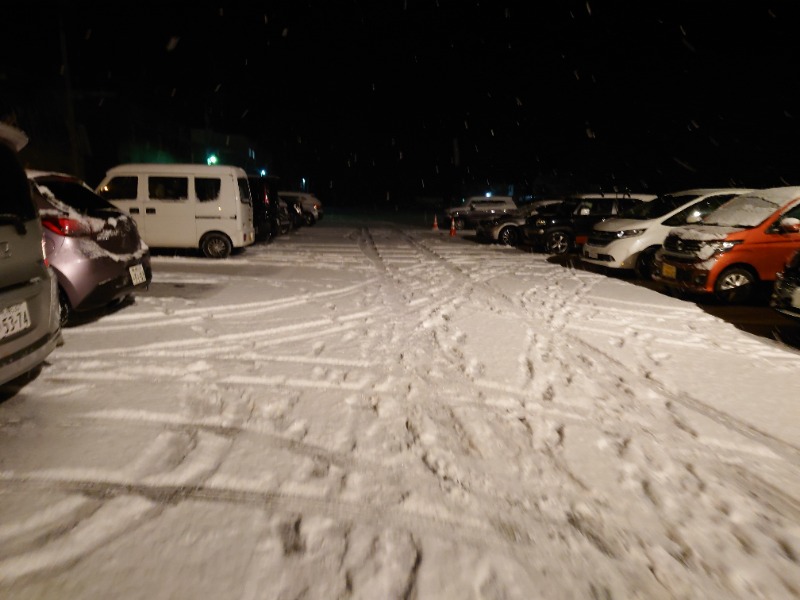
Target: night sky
[[428, 97]]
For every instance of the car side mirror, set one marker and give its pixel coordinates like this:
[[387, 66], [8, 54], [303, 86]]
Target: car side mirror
[[693, 218], [790, 225]]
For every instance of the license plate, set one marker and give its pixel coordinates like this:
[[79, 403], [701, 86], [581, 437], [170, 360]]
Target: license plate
[[14, 319], [669, 271], [796, 298], [137, 274], [590, 254]]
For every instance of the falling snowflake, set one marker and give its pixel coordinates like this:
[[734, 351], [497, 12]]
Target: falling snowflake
[[173, 43]]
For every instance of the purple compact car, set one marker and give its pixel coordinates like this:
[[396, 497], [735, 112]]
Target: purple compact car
[[93, 247]]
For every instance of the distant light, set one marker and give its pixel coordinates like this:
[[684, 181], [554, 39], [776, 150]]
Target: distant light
[[488, 194], [263, 172], [212, 159]]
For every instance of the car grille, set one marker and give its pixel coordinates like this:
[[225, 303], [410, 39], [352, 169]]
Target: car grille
[[602, 238], [673, 243]]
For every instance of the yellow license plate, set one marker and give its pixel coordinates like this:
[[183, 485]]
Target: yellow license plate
[[669, 271]]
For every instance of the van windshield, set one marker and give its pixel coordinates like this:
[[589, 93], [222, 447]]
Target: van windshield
[[743, 211]]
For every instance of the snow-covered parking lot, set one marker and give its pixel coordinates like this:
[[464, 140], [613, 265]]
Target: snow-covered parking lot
[[369, 410]]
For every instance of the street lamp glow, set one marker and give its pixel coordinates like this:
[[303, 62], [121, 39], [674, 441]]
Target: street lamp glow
[[212, 159]]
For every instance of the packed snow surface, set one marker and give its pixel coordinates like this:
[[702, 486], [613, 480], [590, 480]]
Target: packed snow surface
[[362, 409]]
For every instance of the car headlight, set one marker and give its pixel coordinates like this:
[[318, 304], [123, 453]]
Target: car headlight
[[626, 233], [722, 245]]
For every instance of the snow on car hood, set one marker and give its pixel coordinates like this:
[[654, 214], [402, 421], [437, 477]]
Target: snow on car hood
[[704, 232], [749, 210]]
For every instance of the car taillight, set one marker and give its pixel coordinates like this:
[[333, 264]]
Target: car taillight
[[65, 226]]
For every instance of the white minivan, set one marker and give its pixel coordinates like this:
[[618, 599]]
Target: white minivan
[[184, 205]]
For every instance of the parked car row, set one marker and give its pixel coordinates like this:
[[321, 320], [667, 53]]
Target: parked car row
[[67, 249], [725, 242]]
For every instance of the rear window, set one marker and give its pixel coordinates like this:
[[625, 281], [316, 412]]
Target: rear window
[[71, 193], [15, 193], [120, 188]]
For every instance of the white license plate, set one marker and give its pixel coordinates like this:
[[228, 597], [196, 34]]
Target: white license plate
[[137, 274], [669, 271], [796, 298], [14, 319], [590, 254]]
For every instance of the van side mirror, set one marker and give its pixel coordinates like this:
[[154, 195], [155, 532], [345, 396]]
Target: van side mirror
[[790, 225]]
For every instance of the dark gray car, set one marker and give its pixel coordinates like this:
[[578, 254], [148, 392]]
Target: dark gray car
[[29, 323]]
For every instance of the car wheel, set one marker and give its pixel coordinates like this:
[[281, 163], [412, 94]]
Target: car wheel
[[460, 224], [309, 218], [735, 285], [508, 236], [65, 307], [558, 242], [216, 245], [645, 264]]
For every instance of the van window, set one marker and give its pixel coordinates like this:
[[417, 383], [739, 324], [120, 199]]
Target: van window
[[207, 189], [168, 188], [120, 188], [244, 190]]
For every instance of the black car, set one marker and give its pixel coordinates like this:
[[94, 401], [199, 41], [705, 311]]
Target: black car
[[269, 219], [786, 292], [564, 227]]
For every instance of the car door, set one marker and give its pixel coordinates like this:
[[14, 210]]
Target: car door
[[169, 212], [773, 243]]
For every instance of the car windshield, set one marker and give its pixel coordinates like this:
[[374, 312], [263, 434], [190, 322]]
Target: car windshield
[[743, 211], [567, 207], [73, 194], [656, 208]]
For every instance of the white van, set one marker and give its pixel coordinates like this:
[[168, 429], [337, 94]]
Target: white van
[[184, 205]]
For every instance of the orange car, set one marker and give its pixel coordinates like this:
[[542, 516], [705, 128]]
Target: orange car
[[742, 244]]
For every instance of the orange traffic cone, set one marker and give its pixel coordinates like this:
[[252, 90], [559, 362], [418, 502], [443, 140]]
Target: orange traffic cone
[[435, 224], [452, 226]]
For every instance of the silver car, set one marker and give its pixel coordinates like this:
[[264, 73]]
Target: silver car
[[93, 247], [29, 323]]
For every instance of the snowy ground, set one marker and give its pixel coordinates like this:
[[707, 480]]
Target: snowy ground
[[378, 411]]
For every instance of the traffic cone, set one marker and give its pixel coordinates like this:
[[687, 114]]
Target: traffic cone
[[452, 226], [435, 224]]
